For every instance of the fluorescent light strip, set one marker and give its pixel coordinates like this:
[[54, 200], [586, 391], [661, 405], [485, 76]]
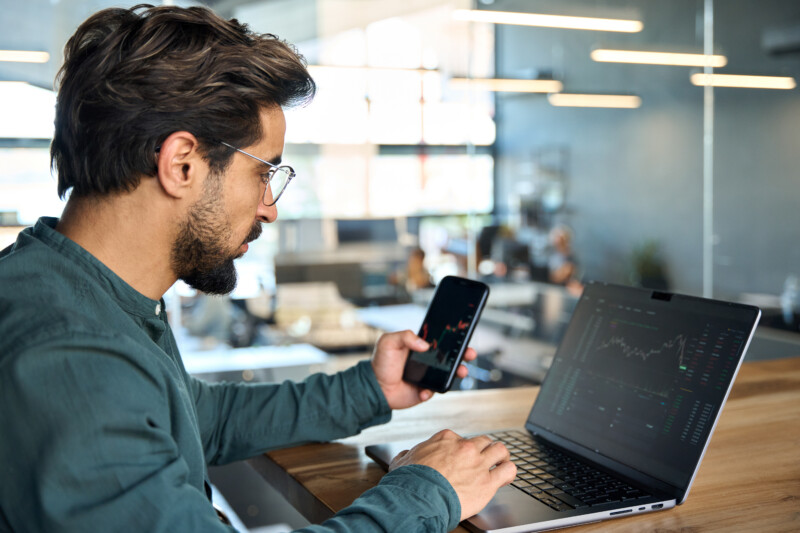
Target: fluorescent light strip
[[746, 82], [24, 56], [334, 68], [548, 21], [507, 86], [659, 58], [595, 100]]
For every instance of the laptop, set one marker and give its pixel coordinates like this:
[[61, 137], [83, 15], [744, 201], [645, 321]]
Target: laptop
[[625, 412]]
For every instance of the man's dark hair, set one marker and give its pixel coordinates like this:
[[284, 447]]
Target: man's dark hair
[[131, 77]]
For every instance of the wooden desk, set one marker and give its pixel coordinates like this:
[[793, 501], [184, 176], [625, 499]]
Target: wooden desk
[[748, 481]]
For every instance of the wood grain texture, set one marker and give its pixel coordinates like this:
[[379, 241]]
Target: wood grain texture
[[749, 479]]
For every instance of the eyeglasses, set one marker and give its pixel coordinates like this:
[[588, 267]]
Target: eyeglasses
[[276, 179]]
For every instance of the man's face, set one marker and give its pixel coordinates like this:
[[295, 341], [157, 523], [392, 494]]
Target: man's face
[[228, 215]]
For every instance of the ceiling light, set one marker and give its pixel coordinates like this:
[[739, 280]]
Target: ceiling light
[[358, 69], [659, 58], [508, 86], [24, 56], [549, 21], [594, 100], [748, 82]]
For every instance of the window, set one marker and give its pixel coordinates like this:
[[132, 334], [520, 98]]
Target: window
[[375, 96]]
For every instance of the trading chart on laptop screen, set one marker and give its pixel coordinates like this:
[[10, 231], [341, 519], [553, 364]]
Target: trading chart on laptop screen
[[642, 380]]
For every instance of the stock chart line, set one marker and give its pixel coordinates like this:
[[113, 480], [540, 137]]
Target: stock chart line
[[447, 329], [628, 350]]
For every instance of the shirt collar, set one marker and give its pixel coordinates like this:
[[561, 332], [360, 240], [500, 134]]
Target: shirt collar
[[131, 300]]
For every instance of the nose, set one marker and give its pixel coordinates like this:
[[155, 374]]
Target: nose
[[267, 213]]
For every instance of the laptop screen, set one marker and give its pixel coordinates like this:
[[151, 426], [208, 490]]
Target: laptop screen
[[640, 377]]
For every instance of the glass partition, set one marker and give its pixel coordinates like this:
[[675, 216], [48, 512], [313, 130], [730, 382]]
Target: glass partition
[[625, 175], [756, 161]]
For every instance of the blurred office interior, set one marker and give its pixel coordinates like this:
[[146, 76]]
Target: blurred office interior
[[636, 141]]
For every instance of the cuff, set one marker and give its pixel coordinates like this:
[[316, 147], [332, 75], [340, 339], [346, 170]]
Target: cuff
[[366, 396], [431, 489]]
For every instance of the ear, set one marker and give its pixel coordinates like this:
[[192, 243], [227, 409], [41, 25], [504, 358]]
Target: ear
[[181, 168]]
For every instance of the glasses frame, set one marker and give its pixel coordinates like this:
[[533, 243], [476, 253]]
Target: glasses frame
[[273, 170]]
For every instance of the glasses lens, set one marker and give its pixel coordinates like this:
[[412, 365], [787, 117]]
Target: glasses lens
[[278, 182]]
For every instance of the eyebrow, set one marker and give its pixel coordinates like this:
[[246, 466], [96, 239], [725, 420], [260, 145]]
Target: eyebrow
[[274, 161]]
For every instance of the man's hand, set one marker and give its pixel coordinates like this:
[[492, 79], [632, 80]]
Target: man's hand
[[388, 362], [476, 467]]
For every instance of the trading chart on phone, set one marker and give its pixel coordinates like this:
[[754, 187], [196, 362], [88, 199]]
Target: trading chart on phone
[[452, 330]]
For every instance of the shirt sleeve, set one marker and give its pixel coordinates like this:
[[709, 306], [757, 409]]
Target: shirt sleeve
[[240, 420], [86, 444], [411, 499]]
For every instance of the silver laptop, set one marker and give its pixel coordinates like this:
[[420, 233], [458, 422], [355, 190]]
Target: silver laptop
[[625, 412]]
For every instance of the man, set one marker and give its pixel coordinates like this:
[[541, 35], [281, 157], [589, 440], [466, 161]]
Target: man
[[563, 267], [169, 134]]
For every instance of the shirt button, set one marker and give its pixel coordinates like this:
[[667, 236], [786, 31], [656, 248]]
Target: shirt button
[[158, 308]]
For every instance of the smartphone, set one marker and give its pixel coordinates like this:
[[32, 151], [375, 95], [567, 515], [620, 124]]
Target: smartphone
[[449, 322]]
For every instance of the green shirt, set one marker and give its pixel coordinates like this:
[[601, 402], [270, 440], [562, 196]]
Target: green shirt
[[102, 429]]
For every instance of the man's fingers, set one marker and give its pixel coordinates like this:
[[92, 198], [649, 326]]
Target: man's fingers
[[412, 341], [482, 442], [402, 339], [475, 467], [496, 447], [503, 474], [496, 453], [470, 354]]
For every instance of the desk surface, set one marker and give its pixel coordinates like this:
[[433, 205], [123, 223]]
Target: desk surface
[[748, 481]]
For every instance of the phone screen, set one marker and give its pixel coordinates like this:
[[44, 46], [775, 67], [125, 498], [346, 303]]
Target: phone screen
[[451, 317]]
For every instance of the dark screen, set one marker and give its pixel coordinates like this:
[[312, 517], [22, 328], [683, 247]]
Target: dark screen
[[367, 230], [641, 380], [447, 326]]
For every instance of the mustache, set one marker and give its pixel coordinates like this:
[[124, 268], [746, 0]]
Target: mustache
[[254, 234]]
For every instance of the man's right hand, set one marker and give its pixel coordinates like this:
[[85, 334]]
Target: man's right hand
[[476, 467]]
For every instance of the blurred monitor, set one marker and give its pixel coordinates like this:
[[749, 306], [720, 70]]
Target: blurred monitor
[[511, 252], [486, 239], [304, 235], [412, 225], [366, 230]]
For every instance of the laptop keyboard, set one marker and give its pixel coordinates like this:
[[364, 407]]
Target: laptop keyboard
[[559, 480]]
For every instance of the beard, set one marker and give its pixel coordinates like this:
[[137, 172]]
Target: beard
[[200, 254]]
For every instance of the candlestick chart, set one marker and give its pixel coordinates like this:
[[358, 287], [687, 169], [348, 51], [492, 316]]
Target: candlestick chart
[[445, 346]]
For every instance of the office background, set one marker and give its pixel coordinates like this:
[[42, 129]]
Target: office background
[[621, 178], [410, 145]]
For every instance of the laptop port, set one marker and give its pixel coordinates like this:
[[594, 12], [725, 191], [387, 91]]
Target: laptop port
[[657, 506]]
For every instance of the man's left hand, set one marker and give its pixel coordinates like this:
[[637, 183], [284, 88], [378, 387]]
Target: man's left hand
[[388, 362]]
